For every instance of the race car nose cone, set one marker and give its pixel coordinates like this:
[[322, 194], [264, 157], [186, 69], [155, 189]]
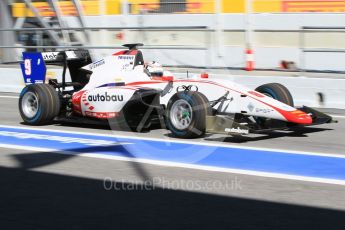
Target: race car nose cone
[[305, 119], [300, 117]]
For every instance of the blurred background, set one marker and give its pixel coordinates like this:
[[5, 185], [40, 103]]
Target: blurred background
[[308, 34]]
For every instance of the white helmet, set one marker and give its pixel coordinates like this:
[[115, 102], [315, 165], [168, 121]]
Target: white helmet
[[155, 69]]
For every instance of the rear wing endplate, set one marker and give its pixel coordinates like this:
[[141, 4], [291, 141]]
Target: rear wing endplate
[[34, 63]]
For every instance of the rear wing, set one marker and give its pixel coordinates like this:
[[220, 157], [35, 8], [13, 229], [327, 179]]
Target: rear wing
[[34, 68], [69, 55]]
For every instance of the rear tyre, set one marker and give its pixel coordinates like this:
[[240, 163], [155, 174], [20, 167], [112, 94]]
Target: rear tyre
[[276, 91], [39, 104], [186, 114]]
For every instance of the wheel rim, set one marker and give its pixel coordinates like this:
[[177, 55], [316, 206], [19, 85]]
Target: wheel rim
[[181, 114], [30, 104]]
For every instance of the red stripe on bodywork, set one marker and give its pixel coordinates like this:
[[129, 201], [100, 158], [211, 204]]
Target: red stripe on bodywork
[[126, 52], [102, 115], [144, 83], [122, 52], [76, 101]]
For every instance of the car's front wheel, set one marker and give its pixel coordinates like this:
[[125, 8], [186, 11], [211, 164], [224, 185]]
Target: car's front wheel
[[276, 91], [186, 114], [39, 104]]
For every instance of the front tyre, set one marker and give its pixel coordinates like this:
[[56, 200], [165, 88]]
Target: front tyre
[[39, 104], [276, 91], [186, 114]]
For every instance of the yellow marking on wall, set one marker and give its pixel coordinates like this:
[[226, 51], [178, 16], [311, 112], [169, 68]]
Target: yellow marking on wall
[[200, 6], [66, 7], [233, 6], [267, 6], [313, 6], [140, 6], [113, 7]]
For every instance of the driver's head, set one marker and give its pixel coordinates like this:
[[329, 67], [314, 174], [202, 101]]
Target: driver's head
[[155, 69]]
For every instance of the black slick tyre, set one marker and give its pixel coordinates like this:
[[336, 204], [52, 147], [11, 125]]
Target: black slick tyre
[[276, 91], [39, 104], [186, 114]]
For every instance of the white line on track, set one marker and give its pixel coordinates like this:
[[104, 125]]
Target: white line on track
[[6, 96], [182, 165], [336, 116]]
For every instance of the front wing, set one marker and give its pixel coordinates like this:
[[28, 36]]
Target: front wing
[[240, 125]]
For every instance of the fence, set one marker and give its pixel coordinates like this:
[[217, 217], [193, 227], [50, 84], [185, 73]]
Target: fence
[[40, 46], [273, 37], [318, 48]]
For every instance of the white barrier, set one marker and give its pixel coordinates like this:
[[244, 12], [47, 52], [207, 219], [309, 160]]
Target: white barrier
[[11, 79], [305, 90]]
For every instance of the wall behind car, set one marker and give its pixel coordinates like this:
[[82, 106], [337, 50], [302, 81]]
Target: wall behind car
[[276, 37]]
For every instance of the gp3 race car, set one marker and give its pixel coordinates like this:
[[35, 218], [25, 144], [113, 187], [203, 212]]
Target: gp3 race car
[[120, 90]]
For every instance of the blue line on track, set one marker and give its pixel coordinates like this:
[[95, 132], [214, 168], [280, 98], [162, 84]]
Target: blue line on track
[[326, 167]]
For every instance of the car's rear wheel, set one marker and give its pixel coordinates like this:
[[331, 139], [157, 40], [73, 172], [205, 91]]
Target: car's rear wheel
[[39, 104], [186, 114]]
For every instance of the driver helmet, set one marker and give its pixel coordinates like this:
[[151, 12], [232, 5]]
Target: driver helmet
[[155, 69]]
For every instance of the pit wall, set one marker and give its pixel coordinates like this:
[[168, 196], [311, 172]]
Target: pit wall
[[305, 90]]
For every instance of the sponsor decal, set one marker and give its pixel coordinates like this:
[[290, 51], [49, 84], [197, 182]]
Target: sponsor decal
[[50, 56], [259, 110], [97, 64], [105, 97], [101, 115], [237, 130], [126, 57], [126, 66], [251, 107]]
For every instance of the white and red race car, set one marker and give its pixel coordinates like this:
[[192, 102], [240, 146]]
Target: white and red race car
[[119, 89]]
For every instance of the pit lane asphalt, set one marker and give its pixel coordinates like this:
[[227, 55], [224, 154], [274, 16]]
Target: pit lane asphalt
[[32, 181]]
